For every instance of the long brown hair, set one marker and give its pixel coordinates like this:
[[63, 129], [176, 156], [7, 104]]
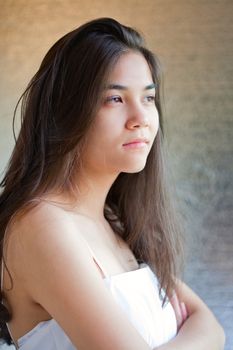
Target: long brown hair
[[57, 110]]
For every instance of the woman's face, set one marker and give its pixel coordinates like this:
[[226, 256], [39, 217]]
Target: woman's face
[[127, 122]]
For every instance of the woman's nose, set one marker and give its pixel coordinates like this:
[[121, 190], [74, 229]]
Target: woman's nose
[[137, 119]]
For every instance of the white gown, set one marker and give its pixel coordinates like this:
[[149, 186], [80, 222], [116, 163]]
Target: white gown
[[137, 293]]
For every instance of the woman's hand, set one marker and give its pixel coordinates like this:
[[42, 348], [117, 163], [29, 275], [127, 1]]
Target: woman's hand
[[198, 329], [180, 309]]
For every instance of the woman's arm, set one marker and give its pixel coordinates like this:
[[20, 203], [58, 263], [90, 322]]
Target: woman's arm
[[200, 330], [59, 274]]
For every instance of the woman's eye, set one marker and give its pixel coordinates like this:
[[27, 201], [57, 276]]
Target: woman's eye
[[113, 99], [150, 98]]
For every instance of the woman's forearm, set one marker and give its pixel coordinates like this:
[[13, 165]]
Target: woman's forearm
[[199, 332]]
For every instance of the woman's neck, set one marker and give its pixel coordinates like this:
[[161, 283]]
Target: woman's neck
[[91, 194]]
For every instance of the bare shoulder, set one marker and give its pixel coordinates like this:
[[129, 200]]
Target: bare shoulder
[[43, 236], [43, 220], [41, 216]]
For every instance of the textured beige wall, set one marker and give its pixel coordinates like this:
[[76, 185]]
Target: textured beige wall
[[193, 39]]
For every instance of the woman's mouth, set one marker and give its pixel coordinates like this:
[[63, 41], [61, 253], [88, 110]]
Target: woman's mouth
[[136, 143]]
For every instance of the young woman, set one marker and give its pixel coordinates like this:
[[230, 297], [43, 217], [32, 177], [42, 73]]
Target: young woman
[[89, 247]]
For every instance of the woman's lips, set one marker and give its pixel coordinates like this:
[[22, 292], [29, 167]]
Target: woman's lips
[[138, 143]]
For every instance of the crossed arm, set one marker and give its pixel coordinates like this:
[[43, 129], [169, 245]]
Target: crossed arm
[[74, 295], [198, 328]]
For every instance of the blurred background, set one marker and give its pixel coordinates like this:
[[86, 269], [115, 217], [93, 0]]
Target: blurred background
[[194, 41]]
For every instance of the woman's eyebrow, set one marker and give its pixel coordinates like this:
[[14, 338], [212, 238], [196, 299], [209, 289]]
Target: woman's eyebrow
[[150, 87], [122, 87]]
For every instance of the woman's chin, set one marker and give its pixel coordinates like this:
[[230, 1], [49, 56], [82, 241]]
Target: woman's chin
[[135, 168]]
